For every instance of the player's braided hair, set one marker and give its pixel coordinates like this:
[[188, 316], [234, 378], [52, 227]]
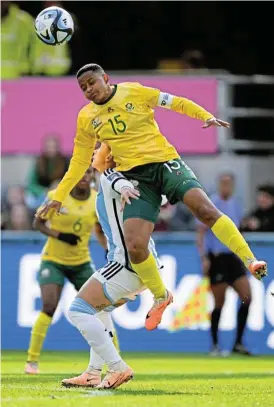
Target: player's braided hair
[[90, 67]]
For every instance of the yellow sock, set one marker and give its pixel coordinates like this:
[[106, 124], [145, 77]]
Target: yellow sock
[[38, 333], [149, 274], [227, 232], [115, 340]]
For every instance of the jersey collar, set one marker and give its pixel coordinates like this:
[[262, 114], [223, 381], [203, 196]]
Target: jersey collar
[[110, 97]]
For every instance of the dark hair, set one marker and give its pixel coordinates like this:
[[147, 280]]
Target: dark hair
[[227, 174], [90, 67], [268, 189]]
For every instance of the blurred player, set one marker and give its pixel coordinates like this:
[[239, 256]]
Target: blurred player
[[108, 288], [65, 255], [223, 268], [122, 116]]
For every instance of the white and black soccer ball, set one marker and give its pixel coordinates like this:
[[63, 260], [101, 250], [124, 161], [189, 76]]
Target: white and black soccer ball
[[54, 26]]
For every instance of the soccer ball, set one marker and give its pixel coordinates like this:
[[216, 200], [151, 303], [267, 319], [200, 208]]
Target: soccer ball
[[54, 26]]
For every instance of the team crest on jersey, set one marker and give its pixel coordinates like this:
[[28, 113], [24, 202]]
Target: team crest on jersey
[[96, 123], [134, 182], [110, 110], [129, 107]]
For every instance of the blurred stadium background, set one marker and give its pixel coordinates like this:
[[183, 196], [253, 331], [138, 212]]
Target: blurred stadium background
[[211, 53]]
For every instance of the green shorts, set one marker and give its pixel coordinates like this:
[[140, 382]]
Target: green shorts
[[171, 178], [54, 273]]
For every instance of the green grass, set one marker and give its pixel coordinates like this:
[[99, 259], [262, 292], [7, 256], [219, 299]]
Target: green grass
[[168, 380]]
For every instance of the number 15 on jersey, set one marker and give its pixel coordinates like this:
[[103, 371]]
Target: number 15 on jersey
[[117, 125]]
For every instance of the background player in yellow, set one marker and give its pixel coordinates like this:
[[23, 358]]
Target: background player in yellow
[[122, 116], [65, 255]]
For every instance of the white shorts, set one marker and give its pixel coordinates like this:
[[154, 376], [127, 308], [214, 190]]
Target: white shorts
[[118, 282]]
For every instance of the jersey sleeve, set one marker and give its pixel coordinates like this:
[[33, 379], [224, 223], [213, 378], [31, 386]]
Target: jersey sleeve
[[84, 144], [117, 181], [150, 96], [155, 97], [184, 106]]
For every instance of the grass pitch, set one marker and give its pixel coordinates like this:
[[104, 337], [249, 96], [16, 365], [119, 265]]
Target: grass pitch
[[161, 380]]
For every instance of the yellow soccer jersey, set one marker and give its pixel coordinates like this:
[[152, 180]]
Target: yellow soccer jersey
[[126, 123], [78, 217]]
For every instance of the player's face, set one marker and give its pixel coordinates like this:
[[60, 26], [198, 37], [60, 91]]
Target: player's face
[[84, 183], [94, 85], [264, 200], [51, 147], [226, 186]]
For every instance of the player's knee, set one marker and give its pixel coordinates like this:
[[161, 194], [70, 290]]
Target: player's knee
[[79, 309], [136, 248], [49, 308], [208, 214], [246, 300], [135, 245]]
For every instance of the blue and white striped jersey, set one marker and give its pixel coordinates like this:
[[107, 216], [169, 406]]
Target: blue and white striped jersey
[[108, 206]]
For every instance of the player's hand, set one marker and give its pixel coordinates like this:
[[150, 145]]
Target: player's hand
[[128, 193], [53, 206], [215, 122], [69, 238]]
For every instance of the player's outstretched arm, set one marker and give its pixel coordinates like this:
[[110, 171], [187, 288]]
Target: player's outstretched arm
[[154, 98], [191, 109], [84, 144]]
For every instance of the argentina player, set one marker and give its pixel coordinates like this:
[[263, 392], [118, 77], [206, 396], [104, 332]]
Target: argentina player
[[108, 288]]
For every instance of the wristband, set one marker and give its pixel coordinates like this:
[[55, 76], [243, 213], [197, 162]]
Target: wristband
[[121, 183], [117, 180]]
